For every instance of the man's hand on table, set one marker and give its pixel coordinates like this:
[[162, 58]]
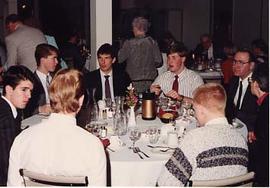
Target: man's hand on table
[[156, 89], [174, 95]]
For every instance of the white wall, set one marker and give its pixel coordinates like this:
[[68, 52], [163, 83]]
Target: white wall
[[101, 27]]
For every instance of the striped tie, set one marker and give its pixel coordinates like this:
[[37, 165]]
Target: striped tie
[[47, 81]]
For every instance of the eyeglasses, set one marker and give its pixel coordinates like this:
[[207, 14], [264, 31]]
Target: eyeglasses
[[240, 62]]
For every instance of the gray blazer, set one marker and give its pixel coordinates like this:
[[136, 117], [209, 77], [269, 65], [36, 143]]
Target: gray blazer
[[21, 45]]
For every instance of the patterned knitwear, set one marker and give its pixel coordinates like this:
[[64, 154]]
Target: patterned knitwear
[[214, 151]]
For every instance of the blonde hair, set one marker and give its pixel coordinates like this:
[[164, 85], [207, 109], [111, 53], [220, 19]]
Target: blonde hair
[[212, 96], [65, 90]]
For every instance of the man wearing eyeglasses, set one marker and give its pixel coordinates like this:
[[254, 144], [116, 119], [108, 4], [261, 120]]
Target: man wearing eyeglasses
[[241, 103]]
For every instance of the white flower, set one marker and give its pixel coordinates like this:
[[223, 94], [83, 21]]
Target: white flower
[[130, 87]]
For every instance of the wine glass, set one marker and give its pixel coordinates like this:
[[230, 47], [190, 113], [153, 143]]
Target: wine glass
[[134, 135]]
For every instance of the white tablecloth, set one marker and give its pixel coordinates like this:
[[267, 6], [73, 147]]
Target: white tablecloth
[[211, 75], [127, 169]]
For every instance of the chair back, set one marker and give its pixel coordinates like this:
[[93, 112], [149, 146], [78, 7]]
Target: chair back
[[245, 180], [36, 179]]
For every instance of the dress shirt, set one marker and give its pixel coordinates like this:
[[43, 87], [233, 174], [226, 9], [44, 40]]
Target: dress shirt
[[244, 89], [13, 108], [210, 52], [43, 80], [102, 75], [57, 146], [188, 81]]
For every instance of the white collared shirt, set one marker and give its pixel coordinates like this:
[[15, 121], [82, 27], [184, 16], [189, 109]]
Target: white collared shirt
[[188, 81], [244, 89], [210, 52], [103, 83], [13, 108], [57, 146], [42, 78]]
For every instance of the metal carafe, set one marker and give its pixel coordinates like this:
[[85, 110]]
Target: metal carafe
[[148, 106]]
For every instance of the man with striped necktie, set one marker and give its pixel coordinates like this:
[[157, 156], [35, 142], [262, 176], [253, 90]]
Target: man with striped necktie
[[178, 82], [46, 57]]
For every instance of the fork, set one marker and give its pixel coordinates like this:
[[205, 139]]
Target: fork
[[136, 151], [139, 150]]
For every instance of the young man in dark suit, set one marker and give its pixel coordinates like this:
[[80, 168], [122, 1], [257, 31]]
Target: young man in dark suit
[[118, 79], [46, 57], [17, 87]]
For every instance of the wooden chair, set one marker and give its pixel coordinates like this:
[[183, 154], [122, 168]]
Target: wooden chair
[[245, 180], [36, 179]]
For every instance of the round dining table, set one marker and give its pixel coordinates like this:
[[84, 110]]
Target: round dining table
[[127, 168]]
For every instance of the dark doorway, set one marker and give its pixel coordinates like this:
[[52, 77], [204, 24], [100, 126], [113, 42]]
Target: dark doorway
[[222, 21]]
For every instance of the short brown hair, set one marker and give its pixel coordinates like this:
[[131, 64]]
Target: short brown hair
[[212, 96], [44, 50], [65, 90]]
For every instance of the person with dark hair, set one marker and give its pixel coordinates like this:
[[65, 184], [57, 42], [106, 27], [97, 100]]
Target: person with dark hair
[[21, 42], [241, 103], [260, 51], [70, 51], [142, 56], [207, 49], [17, 86], [108, 72], [46, 59], [260, 88], [178, 82], [58, 146]]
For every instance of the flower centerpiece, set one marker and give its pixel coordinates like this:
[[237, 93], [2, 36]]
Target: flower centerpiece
[[131, 101]]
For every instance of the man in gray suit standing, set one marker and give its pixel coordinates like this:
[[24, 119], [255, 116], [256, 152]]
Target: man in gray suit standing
[[21, 42]]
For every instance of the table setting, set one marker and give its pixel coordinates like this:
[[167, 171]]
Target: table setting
[[139, 150]]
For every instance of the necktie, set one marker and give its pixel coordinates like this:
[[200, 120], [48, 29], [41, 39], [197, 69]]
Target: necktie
[[107, 87], [239, 95], [175, 84], [47, 81]]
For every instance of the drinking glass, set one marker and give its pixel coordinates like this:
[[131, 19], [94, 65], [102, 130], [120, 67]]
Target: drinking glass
[[153, 135], [134, 135]]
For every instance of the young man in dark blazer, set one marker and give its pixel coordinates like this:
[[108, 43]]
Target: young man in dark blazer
[[17, 87], [119, 80], [46, 57]]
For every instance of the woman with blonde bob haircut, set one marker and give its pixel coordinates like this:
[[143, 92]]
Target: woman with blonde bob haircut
[[67, 91], [209, 101], [58, 146]]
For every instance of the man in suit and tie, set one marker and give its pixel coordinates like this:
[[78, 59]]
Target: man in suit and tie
[[17, 87], [109, 80], [241, 104], [21, 43], [46, 59]]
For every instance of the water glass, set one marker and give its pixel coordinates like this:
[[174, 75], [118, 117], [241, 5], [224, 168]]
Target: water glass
[[153, 135], [134, 135], [120, 124]]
